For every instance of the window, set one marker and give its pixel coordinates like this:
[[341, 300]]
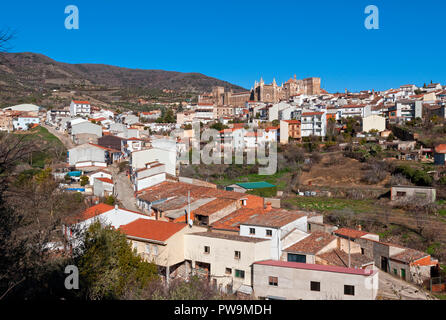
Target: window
[[148, 248], [134, 246], [273, 281], [362, 250], [237, 255], [228, 271], [269, 233], [315, 286], [207, 249], [252, 231], [400, 194], [240, 274], [395, 271], [349, 290], [155, 250], [297, 258]]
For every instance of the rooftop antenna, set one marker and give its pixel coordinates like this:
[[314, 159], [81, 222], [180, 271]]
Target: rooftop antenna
[[349, 260], [189, 221]]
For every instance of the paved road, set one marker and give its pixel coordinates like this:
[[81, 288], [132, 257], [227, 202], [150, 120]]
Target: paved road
[[391, 287], [124, 189], [63, 137]]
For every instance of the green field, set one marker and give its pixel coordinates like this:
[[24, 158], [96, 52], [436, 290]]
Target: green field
[[277, 179], [46, 142], [327, 205]]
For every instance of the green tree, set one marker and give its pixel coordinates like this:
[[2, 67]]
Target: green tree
[[110, 200], [84, 180], [107, 264], [219, 126]]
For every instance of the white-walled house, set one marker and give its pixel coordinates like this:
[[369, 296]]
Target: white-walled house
[[373, 122], [80, 108], [225, 259], [88, 155], [103, 187], [107, 215], [313, 123], [101, 173], [23, 122], [153, 174], [275, 225], [282, 280], [139, 159]]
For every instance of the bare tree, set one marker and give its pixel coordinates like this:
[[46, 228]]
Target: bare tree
[[6, 36]]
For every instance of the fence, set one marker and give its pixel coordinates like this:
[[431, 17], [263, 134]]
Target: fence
[[437, 284]]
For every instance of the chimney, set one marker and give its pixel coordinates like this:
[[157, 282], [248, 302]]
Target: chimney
[[359, 227], [268, 206]]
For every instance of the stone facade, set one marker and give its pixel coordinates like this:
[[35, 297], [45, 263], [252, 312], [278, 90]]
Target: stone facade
[[269, 93]]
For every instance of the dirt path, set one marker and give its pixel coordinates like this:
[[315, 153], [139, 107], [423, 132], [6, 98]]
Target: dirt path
[[124, 189], [63, 137], [393, 288]]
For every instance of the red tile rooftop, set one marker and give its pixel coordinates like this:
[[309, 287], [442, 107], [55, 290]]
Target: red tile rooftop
[[313, 243], [352, 233], [409, 255], [275, 218], [232, 221], [107, 180], [213, 206], [152, 229], [316, 267], [441, 148]]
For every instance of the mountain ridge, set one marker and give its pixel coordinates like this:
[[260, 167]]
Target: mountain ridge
[[35, 70]]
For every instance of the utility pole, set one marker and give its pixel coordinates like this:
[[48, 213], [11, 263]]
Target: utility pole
[[349, 252], [188, 208]]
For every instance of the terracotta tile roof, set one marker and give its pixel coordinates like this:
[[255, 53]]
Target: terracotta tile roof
[[306, 114], [94, 211], [409, 255], [292, 121], [107, 180], [105, 148], [441, 148], [172, 204], [233, 220], [312, 244], [316, 267], [339, 258], [275, 218], [352, 233], [213, 206], [169, 189], [81, 102], [152, 229]]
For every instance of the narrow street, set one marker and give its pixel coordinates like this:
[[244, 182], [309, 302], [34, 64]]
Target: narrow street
[[393, 288], [63, 137], [123, 189]]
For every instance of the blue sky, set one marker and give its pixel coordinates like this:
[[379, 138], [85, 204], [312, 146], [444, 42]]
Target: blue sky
[[240, 41]]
